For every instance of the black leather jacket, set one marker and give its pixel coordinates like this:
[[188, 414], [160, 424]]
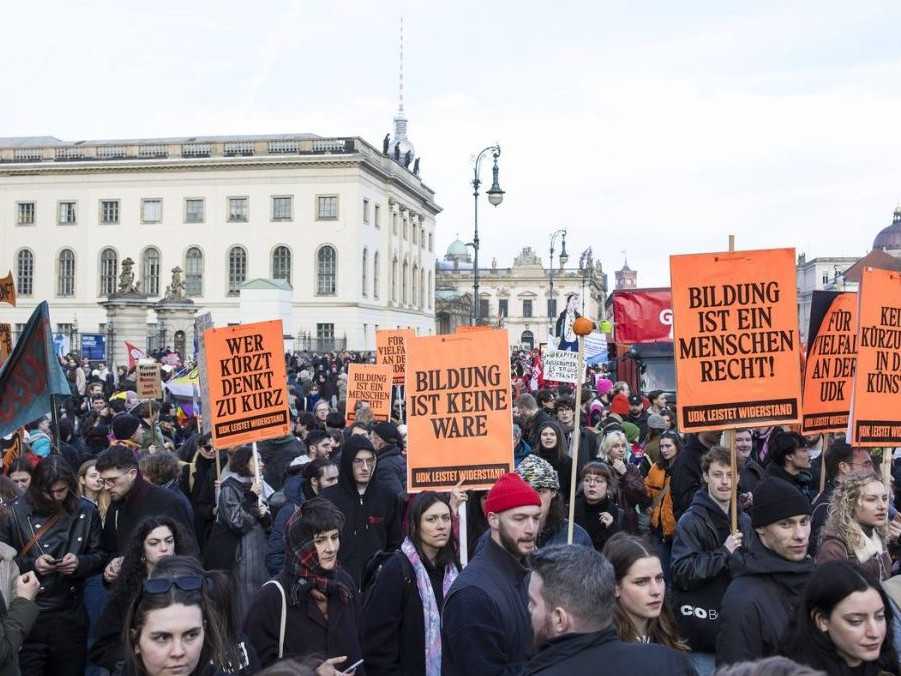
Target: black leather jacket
[[77, 533]]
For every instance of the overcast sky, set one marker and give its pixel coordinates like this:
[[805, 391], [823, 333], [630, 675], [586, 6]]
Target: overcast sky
[[652, 127]]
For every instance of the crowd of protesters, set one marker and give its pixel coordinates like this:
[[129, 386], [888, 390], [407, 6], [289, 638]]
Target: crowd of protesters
[[129, 545]]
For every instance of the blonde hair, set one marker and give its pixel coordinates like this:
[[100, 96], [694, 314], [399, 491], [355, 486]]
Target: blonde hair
[[102, 499], [609, 439], [843, 505]]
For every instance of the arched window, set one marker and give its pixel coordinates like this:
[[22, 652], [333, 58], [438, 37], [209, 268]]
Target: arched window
[[375, 275], [431, 295], [394, 280], [65, 273], [365, 274], [109, 270], [415, 296], [237, 269], [281, 263], [194, 272], [25, 273], [404, 284], [326, 271], [151, 272]]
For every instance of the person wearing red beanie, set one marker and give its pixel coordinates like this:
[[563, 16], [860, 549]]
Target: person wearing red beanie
[[486, 628], [620, 405]]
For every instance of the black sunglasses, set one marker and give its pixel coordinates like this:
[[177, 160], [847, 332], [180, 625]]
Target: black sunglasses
[[161, 585]]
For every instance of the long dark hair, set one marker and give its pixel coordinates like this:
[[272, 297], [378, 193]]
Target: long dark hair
[[662, 462], [217, 641], [560, 449], [133, 570], [623, 550], [829, 585], [421, 504], [51, 470]]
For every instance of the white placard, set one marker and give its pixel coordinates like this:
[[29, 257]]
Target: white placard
[[561, 366]]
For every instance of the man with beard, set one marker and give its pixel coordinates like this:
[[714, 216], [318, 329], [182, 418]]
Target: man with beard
[[486, 628], [572, 601]]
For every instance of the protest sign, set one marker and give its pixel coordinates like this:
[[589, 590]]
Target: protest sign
[[831, 357], [390, 351], [459, 412], [201, 324], [370, 383], [876, 398], [8, 289], [149, 385], [470, 328], [595, 348], [6, 342], [561, 366], [247, 387], [736, 339]]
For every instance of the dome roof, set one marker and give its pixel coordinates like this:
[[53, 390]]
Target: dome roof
[[890, 238], [457, 249]]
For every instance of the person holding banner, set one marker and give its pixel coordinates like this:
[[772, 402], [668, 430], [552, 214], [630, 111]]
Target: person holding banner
[[790, 461], [704, 555], [486, 627]]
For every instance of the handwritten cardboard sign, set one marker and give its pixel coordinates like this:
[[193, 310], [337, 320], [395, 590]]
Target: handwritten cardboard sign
[[148, 382], [561, 366]]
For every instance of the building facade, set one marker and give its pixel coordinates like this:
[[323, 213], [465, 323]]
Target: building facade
[[519, 298], [348, 228], [843, 273]]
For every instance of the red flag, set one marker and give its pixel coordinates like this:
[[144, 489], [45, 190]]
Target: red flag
[[134, 354], [8, 290]]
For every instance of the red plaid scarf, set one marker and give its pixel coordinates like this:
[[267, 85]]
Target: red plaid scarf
[[304, 575]]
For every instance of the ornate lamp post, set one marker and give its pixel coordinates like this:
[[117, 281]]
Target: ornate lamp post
[[495, 197]]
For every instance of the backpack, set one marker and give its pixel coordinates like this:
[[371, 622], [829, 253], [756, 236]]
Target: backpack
[[374, 566]]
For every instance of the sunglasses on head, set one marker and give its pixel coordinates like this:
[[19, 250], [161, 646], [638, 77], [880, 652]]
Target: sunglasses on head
[[161, 585]]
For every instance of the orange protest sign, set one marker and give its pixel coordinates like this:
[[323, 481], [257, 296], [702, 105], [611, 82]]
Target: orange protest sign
[[831, 356], [390, 351], [459, 411], [470, 328], [370, 383], [735, 338], [876, 399], [247, 384]]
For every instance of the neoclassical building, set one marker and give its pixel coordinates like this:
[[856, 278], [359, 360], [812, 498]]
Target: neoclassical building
[[348, 227], [519, 298]]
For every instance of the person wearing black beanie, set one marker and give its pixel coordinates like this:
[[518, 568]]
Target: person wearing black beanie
[[770, 577]]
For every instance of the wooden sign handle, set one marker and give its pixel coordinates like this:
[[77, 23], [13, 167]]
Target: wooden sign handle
[[577, 433]]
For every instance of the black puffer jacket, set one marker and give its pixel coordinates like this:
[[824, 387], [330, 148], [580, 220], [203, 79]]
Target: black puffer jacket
[[77, 533], [702, 568], [759, 604], [372, 521], [803, 481]]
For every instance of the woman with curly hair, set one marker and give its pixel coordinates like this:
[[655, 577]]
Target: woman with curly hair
[[154, 539], [641, 614], [857, 528], [843, 624]]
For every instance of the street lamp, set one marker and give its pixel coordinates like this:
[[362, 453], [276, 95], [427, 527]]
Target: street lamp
[[495, 197], [563, 258]]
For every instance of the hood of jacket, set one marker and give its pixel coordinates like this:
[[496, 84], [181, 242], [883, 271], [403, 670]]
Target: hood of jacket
[[762, 562], [354, 446], [704, 502]]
